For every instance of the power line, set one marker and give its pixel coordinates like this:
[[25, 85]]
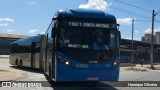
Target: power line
[[128, 12], [158, 21], [157, 13], [133, 6], [132, 13], [142, 21]]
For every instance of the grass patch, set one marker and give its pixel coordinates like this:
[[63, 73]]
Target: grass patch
[[1, 70], [136, 69]]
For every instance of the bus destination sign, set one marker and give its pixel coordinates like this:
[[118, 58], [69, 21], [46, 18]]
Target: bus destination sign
[[88, 24]]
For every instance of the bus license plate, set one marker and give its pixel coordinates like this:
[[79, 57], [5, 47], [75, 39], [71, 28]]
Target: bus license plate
[[92, 78]]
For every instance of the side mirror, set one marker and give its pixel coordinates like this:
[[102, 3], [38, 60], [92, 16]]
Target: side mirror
[[54, 31], [118, 26], [119, 34]]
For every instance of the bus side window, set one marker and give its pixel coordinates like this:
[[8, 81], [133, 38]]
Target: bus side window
[[54, 31], [33, 45]]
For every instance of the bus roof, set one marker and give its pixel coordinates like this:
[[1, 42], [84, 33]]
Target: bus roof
[[28, 39], [84, 13]]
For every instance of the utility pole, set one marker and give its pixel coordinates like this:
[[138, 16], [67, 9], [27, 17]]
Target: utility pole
[[151, 55], [132, 58], [152, 48]]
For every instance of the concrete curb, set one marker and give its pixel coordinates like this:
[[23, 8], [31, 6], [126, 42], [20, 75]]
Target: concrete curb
[[137, 66], [4, 56], [126, 64]]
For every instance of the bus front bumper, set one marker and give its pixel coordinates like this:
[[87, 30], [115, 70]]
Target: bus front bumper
[[66, 73]]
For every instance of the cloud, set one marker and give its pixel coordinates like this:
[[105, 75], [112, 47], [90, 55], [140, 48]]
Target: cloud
[[157, 29], [3, 20], [9, 30], [33, 31], [3, 24], [149, 30], [124, 21], [96, 4], [7, 19], [136, 31], [42, 33], [31, 3]]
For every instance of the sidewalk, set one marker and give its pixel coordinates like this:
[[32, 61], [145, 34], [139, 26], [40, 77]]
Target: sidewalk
[[4, 56], [138, 67]]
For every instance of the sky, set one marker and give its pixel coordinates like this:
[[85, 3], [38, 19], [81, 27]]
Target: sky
[[32, 17]]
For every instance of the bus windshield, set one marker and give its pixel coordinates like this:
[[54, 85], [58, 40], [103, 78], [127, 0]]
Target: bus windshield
[[95, 39], [96, 44]]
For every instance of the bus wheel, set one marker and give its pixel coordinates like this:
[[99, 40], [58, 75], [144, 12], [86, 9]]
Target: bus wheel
[[50, 75], [21, 64], [16, 62]]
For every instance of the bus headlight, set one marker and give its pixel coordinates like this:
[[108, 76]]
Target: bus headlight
[[116, 62], [64, 61], [67, 63]]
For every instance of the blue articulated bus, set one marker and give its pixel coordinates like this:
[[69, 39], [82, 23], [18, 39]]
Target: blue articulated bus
[[82, 45]]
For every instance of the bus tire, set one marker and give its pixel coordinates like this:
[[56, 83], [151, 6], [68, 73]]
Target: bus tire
[[16, 62], [21, 64], [50, 75]]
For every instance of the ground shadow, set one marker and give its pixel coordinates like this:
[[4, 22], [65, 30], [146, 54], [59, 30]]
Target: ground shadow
[[69, 85], [28, 69], [85, 85]]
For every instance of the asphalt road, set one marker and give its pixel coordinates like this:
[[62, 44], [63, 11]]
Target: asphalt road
[[35, 75]]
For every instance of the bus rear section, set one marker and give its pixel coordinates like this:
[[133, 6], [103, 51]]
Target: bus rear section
[[26, 52]]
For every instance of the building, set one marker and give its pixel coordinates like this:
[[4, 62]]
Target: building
[[5, 41], [141, 49], [157, 37], [147, 38]]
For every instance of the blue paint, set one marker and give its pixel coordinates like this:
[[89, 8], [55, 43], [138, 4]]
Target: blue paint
[[86, 13], [72, 73]]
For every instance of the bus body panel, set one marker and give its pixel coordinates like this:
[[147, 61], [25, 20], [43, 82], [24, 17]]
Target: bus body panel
[[37, 60], [77, 64], [78, 71], [24, 57], [76, 74]]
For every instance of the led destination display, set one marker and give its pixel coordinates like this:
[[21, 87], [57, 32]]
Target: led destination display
[[87, 24]]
